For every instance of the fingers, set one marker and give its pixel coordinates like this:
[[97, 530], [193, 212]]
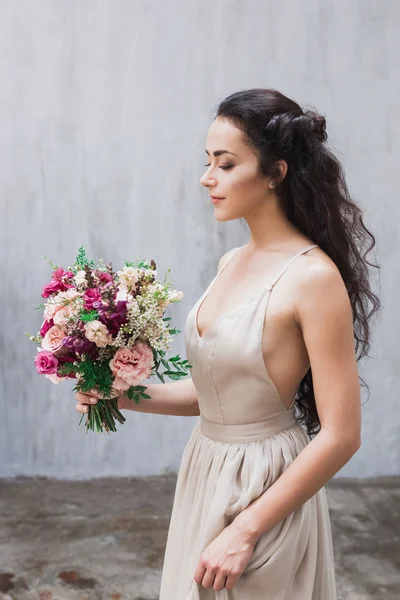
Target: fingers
[[86, 398], [83, 401]]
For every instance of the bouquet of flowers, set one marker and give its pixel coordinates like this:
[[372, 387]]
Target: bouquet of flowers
[[108, 331]]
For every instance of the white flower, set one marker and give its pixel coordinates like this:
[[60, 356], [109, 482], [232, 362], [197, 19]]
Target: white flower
[[154, 287], [80, 278], [127, 277], [149, 272], [122, 295], [175, 296]]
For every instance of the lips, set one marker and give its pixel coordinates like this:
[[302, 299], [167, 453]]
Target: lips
[[216, 197]]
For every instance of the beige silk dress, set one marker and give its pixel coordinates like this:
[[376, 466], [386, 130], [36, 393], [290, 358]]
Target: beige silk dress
[[243, 441]]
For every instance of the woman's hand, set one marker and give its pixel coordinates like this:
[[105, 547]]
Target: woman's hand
[[225, 559], [84, 400]]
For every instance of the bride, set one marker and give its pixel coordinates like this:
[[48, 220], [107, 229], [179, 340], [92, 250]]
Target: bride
[[274, 342]]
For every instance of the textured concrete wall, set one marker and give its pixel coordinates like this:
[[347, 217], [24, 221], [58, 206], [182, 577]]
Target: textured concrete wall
[[104, 112]]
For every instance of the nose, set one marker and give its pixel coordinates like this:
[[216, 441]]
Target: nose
[[207, 181]]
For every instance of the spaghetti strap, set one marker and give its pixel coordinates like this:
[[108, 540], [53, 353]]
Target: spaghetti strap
[[228, 261], [289, 262]]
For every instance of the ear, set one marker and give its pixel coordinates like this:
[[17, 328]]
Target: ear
[[281, 167]]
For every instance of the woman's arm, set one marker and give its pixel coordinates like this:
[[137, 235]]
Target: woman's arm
[[325, 317], [173, 398]]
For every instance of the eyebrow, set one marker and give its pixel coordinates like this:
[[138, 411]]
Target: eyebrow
[[219, 152]]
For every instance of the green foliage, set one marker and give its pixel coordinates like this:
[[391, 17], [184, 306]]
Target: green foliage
[[67, 369], [166, 277], [82, 259], [53, 266], [175, 367], [137, 264], [94, 374], [88, 315], [137, 392]]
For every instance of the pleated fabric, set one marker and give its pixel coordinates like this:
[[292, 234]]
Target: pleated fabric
[[243, 441]]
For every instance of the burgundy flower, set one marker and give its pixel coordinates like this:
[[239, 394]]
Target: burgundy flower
[[114, 320], [79, 345], [45, 327], [104, 277], [91, 296], [58, 283], [120, 314], [46, 363]]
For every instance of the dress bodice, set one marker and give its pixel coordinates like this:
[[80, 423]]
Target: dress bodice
[[228, 369]]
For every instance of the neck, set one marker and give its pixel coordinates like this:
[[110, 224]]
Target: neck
[[270, 229]]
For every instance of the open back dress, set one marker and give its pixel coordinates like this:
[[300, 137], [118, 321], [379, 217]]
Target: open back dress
[[244, 440]]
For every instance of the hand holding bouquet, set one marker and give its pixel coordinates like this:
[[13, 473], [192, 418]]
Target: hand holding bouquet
[[107, 330]]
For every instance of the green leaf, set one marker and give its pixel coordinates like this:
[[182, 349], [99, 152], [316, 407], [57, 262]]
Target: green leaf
[[140, 388], [88, 315], [130, 393], [160, 377]]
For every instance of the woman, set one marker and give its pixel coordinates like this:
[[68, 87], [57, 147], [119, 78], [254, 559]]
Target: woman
[[274, 342]]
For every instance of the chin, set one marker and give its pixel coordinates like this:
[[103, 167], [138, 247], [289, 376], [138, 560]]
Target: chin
[[226, 215]]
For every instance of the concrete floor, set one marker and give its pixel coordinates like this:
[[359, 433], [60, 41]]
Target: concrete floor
[[104, 539]]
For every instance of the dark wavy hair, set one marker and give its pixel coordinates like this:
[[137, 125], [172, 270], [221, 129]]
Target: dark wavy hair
[[315, 199]]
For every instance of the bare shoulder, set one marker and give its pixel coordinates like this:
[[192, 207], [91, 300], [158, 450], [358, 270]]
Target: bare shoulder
[[320, 285], [226, 257]]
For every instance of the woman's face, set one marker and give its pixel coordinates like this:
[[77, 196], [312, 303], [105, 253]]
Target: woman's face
[[232, 174]]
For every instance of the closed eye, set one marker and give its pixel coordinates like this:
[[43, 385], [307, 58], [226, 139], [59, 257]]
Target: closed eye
[[225, 168]]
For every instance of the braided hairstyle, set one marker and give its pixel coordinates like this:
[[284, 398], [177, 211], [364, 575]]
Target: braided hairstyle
[[315, 198]]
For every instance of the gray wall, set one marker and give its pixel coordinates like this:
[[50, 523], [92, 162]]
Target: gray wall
[[104, 112]]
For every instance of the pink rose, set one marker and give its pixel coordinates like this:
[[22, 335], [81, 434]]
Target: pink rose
[[130, 366], [59, 282], [46, 362], [97, 332], [52, 341]]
